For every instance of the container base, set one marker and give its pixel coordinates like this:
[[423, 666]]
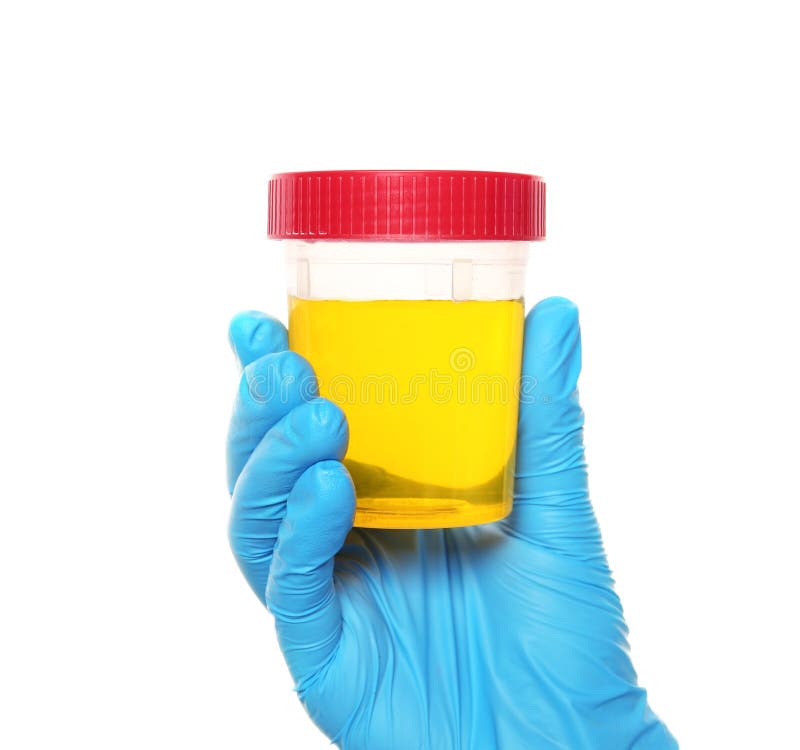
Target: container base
[[425, 513]]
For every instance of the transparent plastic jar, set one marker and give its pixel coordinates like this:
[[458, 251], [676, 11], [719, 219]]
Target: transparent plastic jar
[[406, 296]]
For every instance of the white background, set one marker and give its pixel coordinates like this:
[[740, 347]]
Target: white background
[[137, 140]]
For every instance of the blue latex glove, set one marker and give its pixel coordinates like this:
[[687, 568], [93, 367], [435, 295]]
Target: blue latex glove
[[507, 635]]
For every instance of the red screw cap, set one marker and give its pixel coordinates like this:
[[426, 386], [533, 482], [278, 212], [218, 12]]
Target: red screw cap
[[406, 205]]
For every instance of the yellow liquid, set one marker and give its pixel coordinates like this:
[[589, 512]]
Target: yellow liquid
[[429, 388]]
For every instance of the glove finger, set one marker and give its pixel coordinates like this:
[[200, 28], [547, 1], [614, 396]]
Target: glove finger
[[300, 591], [551, 503], [270, 387], [313, 431], [253, 334]]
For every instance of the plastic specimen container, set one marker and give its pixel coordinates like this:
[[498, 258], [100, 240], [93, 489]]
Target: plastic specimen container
[[406, 296]]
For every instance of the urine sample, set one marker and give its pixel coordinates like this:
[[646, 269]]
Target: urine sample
[[427, 387], [406, 296]]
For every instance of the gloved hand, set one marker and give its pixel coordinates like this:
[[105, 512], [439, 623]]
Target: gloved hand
[[507, 635]]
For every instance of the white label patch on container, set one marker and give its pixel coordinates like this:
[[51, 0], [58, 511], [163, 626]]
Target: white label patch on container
[[462, 279]]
